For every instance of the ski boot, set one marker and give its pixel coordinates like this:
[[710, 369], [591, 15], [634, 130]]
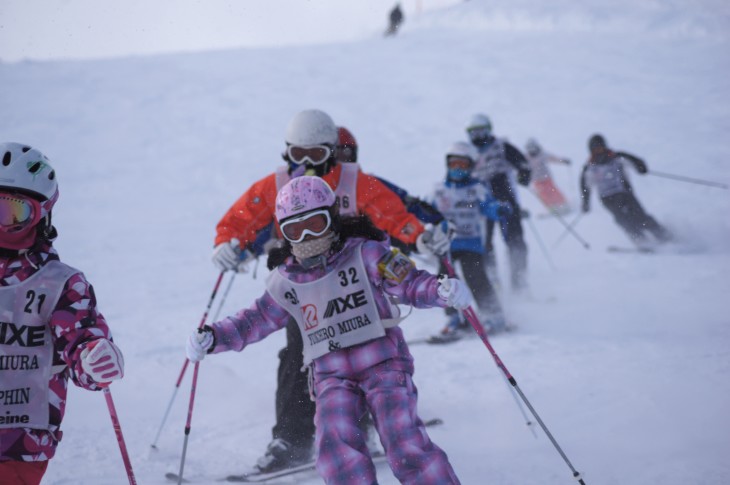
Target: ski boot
[[494, 323], [281, 454], [453, 331]]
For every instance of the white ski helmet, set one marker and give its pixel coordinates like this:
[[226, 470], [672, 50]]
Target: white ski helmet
[[479, 121], [533, 147], [29, 171], [311, 127], [463, 149]]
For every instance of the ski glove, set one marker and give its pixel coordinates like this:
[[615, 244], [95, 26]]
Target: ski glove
[[498, 210], [455, 292], [200, 342], [436, 240], [524, 176], [229, 256], [103, 362]]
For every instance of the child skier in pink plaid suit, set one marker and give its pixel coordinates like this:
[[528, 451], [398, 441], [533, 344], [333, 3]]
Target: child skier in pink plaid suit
[[339, 279]]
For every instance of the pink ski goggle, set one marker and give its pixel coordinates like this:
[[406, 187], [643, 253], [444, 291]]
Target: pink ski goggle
[[18, 212], [315, 154], [314, 224]]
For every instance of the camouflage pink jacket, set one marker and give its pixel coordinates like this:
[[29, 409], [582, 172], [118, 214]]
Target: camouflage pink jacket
[[75, 321]]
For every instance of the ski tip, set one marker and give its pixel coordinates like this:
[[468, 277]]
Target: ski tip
[[440, 340], [433, 422], [638, 250], [174, 477]]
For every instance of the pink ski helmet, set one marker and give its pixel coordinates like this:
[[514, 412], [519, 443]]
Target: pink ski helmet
[[303, 194]]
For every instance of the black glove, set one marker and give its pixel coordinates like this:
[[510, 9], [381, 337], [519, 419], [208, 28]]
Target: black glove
[[585, 206], [642, 168], [523, 176]]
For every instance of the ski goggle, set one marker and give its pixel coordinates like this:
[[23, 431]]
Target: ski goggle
[[479, 132], [313, 223], [459, 162], [18, 212], [314, 154]]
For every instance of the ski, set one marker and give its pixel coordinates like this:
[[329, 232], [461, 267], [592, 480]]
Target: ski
[[174, 477], [306, 467], [442, 339], [377, 456], [256, 477], [621, 249]]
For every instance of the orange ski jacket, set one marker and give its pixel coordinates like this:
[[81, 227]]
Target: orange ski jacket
[[254, 210]]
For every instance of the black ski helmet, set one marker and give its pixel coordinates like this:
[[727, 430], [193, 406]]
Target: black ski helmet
[[596, 141]]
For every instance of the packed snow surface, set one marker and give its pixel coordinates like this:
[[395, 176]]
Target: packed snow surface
[[626, 357]]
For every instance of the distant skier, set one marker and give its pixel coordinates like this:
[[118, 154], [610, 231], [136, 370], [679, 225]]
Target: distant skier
[[468, 204], [542, 180], [605, 170], [498, 161], [336, 277], [311, 140], [395, 20], [50, 328]]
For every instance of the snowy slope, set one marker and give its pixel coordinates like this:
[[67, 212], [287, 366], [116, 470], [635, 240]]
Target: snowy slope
[[624, 356]]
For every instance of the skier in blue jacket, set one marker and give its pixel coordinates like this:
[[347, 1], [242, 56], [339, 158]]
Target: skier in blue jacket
[[468, 204]]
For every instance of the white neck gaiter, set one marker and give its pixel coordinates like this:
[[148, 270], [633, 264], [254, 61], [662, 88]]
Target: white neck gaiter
[[313, 247]]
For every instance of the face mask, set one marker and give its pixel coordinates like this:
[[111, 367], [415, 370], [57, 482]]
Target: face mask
[[458, 174], [313, 247]]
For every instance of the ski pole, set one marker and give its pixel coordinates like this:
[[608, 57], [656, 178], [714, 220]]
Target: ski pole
[[521, 408], [562, 221], [193, 387], [541, 243], [120, 436], [189, 420], [682, 178], [446, 261], [474, 322], [572, 224], [185, 365]]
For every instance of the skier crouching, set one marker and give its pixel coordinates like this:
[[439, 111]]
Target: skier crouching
[[337, 278], [605, 170]]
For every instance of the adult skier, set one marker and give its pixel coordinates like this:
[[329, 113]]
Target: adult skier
[[496, 166], [335, 277], [50, 328], [311, 140], [605, 171], [468, 205], [542, 180]]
